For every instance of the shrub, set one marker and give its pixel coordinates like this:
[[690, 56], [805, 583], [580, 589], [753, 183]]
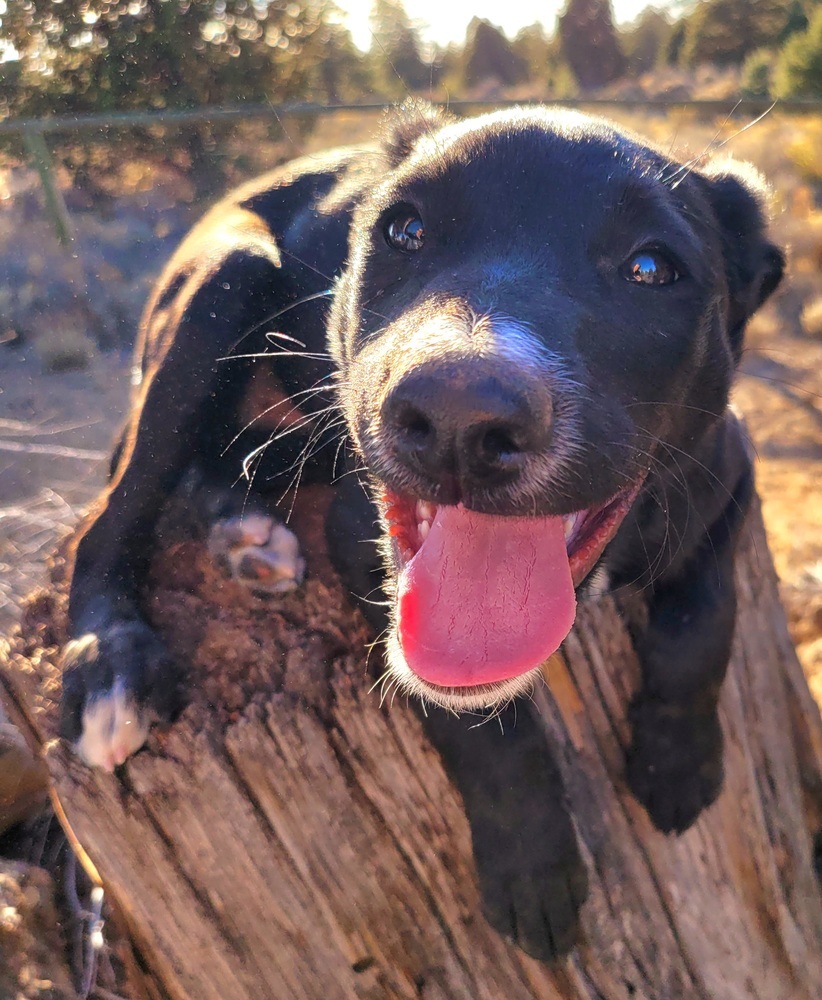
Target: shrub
[[757, 71], [798, 71]]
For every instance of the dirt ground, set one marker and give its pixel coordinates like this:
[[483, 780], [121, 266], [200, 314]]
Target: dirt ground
[[56, 427]]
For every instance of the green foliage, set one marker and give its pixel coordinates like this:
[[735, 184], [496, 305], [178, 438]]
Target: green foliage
[[724, 32], [395, 56], [490, 56], [98, 55], [543, 61], [535, 49], [757, 71], [588, 42], [798, 71], [644, 42], [796, 19], [672, 51]]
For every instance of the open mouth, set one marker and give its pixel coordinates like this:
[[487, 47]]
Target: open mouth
[[483, 600]]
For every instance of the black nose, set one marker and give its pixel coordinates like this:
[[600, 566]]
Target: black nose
[[462, 426]]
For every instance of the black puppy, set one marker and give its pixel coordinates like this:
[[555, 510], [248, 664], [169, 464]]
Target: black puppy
[[534, 326]]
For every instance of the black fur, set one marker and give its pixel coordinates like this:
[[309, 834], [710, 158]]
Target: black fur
[[530, 215]]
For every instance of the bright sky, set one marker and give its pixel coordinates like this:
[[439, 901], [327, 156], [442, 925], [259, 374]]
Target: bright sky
[[445, 21]]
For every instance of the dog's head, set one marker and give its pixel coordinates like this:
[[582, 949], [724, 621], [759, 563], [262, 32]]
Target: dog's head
[[537, 309]]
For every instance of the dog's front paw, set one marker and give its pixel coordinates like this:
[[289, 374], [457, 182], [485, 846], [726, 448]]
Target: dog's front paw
[[258, 551], [674, 765], [537, 909], [116, 683]]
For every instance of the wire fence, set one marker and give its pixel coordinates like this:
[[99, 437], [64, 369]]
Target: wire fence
[[34, 131], [130, 119]]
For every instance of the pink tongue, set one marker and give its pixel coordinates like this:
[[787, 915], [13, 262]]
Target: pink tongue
[[486, 598]]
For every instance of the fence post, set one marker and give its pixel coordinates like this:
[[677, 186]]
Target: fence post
[[55, 205]]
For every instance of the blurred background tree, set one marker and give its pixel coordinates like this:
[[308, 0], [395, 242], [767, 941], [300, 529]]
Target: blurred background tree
[[589, 42], [83, 56], [99, 55], [798, 68], [77, 56], [490, 56], [395, 57], [644, 41], [724, 32], [757, 73], [546, 70]]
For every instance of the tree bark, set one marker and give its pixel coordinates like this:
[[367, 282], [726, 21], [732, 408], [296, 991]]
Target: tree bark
[[306, 843]]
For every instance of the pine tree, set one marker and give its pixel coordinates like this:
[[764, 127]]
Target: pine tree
[[97, 55], [724, 32], [589, 42], [644, 42], [490, 56], [798, 70], [396, 51]]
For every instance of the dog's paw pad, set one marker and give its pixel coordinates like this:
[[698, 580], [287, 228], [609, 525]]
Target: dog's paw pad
[[257, 551], [113, 729]]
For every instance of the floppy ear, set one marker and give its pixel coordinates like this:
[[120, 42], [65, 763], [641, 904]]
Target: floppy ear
[[403, 125], [754, 265]]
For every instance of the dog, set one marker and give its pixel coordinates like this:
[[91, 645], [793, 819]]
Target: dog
[[533, 321]]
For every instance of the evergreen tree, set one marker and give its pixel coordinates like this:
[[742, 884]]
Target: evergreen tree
[[724, 32], [672, 51], [395, 53], [490, 56], [757, 71], [644, 42], [536, 50], [544, 63], [798, 70], [589, 43], [97, 55]]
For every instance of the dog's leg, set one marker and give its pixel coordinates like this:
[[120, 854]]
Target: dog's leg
[[531, 875], [117, 676], [674, 765]]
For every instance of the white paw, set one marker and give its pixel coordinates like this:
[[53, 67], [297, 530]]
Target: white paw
[[258, 551], [113, 729]]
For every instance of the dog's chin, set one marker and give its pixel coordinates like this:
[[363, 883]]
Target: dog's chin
[[482, 601], [471, 698]]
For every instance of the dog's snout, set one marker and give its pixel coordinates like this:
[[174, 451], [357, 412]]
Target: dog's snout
[[462, 426]]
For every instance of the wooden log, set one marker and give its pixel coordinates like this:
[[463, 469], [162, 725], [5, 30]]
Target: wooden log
[[23, 777], [289, 837]]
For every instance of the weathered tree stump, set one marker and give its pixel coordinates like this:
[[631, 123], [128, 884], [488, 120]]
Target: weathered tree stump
[[291, 838]]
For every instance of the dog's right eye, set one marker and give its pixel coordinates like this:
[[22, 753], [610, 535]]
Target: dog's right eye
[[650, 267], [405, 231]]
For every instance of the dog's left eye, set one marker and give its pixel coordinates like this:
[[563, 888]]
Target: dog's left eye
[[405, 231], [650, 267]]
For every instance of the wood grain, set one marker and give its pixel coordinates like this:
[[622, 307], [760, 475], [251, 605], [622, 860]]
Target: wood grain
[[314, 848]]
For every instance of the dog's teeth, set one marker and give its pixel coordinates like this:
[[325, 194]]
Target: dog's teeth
[[423, 527], [569, 522], [425, 511]]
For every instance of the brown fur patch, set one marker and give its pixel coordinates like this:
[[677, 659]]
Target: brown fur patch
[[266, 405]]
